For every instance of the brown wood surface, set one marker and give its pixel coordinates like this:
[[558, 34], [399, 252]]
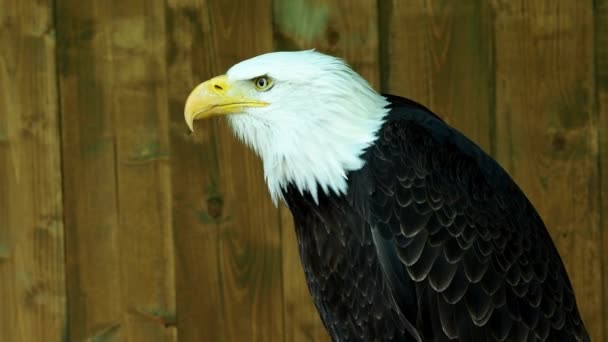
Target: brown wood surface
[[227, 230], [194, 174], [114, 125], [601, 83], [250, 240], [138, 105], [117, 223], [91, 217], [32, 271], [546, 130], [439, 53]]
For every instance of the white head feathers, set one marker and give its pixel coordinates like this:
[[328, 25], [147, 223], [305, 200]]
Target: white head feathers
[[322, 115]]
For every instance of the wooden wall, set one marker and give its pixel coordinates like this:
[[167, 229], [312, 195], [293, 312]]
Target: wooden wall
[[117, 224]]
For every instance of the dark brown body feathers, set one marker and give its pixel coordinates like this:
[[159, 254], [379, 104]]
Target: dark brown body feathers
[[433, 241]]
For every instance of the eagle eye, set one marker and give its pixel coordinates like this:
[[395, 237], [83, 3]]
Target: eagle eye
[[262, 83]]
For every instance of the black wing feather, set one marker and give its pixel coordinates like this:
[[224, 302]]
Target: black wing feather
[[451, 227]]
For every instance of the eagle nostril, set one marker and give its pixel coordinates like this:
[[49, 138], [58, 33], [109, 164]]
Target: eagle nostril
[[218, 87]]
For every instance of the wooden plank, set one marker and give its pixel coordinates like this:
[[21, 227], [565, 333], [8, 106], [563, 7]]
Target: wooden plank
[[194, 171], [439, 53], [114, 126], [91, 218], [307, 24], [32, 290], [140, 115], [546, 127], [601, 70], [227, 229], [322, 25]]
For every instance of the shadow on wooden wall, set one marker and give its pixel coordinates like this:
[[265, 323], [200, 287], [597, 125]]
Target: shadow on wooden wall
[[116, 223]]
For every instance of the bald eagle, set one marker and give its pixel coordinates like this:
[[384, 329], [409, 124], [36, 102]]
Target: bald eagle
[[407, 230]]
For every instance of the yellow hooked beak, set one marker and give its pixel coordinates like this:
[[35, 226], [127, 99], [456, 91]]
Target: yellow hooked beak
[[216, 97]]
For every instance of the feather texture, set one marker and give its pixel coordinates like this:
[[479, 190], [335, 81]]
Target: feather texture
[[433, 242]]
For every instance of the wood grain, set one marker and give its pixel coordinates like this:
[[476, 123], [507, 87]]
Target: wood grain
[[32, 290], [114, 120], [238, 231], [91, 217], [194, 172], [439, 53], [140, 115], [601, 79], [546, 127], [116, 223], [250, 244], [307, 24]]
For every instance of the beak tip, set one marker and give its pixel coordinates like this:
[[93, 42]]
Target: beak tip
[[190, 123]]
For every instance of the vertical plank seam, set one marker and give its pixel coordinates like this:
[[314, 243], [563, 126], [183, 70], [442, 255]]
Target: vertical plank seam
[[66, 321], [384, 9], [109, 79], [279, 208], [427, 54], [599, 161], [115, 148], [168, 219], [215, 184], [218, 227], [218, 258], [116, 168], [278, 205], [492, 81], [170, 213]]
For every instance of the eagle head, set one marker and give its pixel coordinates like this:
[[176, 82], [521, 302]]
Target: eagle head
[[308, 116]]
